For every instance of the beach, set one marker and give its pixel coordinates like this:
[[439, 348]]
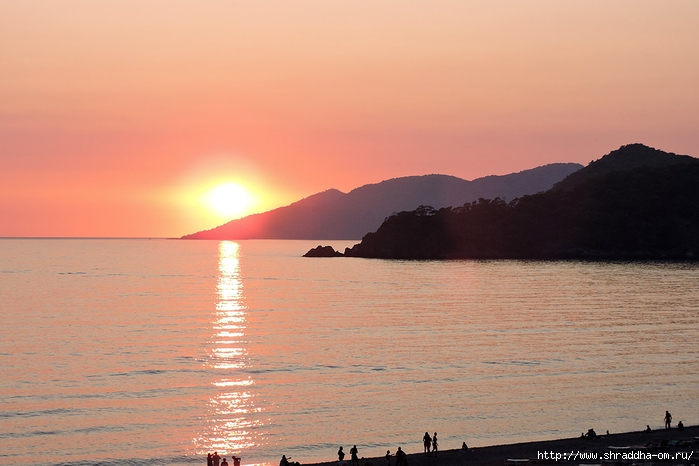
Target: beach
[[619, 448]]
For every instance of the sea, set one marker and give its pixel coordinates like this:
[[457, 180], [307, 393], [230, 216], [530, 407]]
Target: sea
[[157, 351]]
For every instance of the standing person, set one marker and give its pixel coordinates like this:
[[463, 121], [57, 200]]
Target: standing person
[[388, 457], [209, 460], [668, 419], [354, 452], [224, 462], [434, 444], [427, 441], [216, 458], [236, 460], [401, 459], [340, 456]]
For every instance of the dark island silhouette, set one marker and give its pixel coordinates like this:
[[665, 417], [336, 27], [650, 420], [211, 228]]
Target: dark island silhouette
[[333, 214], [323, 251], [635, 203]]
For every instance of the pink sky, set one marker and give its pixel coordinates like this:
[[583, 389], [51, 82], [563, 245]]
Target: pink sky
[[116, 117]]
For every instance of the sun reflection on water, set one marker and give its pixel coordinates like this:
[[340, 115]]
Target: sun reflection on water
[[231, 429]]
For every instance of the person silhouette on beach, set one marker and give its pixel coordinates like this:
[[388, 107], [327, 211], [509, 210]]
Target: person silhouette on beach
[[680, 426], [353, 453], [224, 462], [427, 441], [401, 458], [236, 460], [340, 456], [648, 429], [216, 459], [284, 461], [668, 419], [209, 460], [434, 444], [388, 457]]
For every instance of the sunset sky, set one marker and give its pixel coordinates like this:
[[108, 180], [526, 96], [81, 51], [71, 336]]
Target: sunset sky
[[122, 118]]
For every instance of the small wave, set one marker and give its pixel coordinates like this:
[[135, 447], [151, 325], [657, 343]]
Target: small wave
[[269, 371], [36, 433], [514, 363], [95, 429], [326, 366], [144, 372], [152, 371], [526, 363], [45, 412], [70, 432]]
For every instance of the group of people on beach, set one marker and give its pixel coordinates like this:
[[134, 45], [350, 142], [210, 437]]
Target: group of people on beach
[[216, 460], [354, 453], [431, 446], [668, 422], [401, 458], [591, 434], [428, 442]]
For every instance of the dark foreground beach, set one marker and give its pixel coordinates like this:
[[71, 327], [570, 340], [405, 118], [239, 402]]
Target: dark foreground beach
[[659, 446]]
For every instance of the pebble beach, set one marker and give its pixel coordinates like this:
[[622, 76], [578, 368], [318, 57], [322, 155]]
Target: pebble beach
[[659, 446]]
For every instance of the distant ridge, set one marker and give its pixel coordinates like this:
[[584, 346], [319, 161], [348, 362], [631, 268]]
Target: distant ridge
[[333, 214]]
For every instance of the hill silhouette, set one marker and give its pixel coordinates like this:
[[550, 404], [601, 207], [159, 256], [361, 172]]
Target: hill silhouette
[[625, 158], [634, 203], [333, 214]]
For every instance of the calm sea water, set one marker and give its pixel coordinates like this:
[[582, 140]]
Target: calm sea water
[[130, 352]]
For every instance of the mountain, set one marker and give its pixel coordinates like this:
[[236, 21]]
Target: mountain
[[634, 203], [333, 214], [625, 158]]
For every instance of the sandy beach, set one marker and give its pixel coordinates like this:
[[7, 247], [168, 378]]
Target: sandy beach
[[619, 446]]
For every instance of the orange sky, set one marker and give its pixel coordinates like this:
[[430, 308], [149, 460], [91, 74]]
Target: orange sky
[[116, 117]]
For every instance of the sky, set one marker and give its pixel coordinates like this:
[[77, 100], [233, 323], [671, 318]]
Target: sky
[[160, 118]]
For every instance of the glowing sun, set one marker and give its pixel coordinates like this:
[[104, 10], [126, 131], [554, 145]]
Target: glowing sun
[[229, 199]]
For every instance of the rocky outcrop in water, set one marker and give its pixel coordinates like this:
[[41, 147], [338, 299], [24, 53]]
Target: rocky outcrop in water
[[323, 251]]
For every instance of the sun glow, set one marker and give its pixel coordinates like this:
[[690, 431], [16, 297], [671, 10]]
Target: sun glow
[[229, 200], [220, 189]]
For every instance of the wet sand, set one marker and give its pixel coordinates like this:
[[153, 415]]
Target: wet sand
[[528, 453]]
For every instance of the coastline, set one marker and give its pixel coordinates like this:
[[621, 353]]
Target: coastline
[[621, 445]]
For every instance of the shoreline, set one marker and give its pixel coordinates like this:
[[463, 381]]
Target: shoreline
[[622, 444]]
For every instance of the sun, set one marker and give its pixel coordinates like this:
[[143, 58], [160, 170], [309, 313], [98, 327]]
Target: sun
[[229, 200]]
